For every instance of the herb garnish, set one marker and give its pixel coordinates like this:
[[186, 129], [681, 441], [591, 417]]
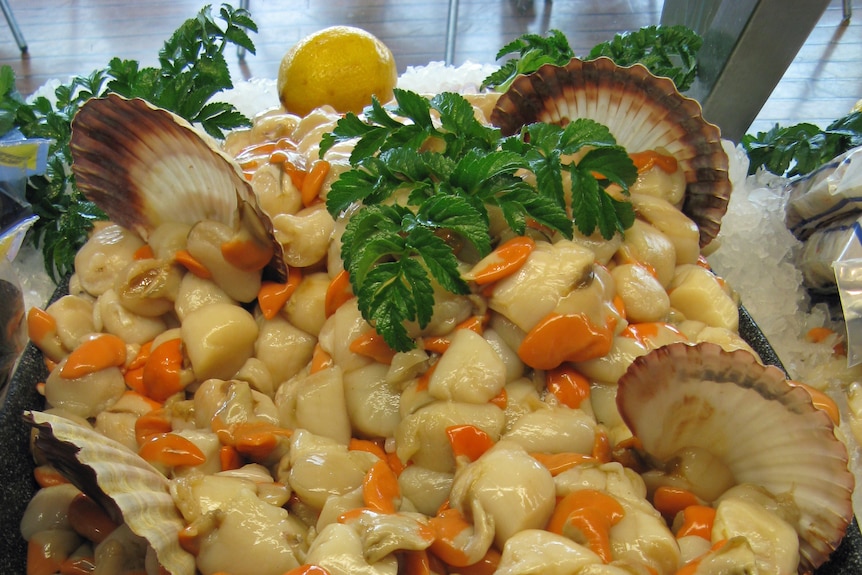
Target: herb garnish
[[802, 148], [192, 69], [427, 186], [535, 51], [669, 51]]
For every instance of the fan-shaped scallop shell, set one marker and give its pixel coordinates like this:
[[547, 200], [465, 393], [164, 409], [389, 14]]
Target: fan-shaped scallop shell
[[766, 431], [642, 111], [127, 487], [144, 166]]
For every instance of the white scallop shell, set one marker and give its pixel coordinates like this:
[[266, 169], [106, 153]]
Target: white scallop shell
[[130, 489], [144, 166], [642, 111], [766, 431]]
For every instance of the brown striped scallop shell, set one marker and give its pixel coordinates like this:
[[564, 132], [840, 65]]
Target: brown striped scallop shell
[[642, 111], [129, 489], [144, 166], [767, 432]]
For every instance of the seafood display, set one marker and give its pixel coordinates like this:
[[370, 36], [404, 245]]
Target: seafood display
[[643, 111], [589, 407]]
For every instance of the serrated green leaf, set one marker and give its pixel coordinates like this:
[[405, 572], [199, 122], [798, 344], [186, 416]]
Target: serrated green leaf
[[534, 51], [413, 106], [376, 113], [437, 256], [477, 167], [191, 70], [390, 294], [585, 191], [611, 162], [457, 214], [584, 132], [668, 51], [369, 181]]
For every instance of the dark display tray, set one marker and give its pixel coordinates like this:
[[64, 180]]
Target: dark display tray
[[16, 464]]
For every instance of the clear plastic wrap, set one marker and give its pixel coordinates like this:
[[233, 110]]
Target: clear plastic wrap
[[19, 158]]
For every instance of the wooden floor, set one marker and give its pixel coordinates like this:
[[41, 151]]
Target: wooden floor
[[70, 37]]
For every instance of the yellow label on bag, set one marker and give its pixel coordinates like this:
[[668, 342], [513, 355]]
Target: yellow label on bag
[[23, 155]]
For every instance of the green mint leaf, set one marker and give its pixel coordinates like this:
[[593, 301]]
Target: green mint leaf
[[780, 149], [350, 127], [499, 77], [543, 156], [520, 203], [376, 113], [477, 169], [585, 193], [218, 117], [371, 236], [543, 147], [593, 208]]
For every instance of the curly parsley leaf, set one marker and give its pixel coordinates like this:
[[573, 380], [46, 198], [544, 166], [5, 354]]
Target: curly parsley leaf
[[389, 253], [802, 148], [544, 146], [426, 187], [669, 51], [384, 127], [192, 69], [534, 50]]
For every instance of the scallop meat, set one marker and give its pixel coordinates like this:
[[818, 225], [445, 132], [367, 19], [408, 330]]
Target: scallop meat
[[129, 489], [144, 166], [644, 112], [764, 430]]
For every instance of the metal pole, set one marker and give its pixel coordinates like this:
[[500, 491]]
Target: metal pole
[[451, 30], [13, 24], [240, 51]]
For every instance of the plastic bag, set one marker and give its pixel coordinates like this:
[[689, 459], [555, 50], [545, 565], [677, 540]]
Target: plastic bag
[[19, 158], [831, 192], [13, 336]]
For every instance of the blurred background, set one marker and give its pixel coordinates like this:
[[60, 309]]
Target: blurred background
[[74, 37]]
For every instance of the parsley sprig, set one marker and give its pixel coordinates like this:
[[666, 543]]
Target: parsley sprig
[[669, 51], [802, 148], [192, 69], [428, 176], [534, 51]]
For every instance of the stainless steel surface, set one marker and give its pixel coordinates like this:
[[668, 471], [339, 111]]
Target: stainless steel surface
[[451, 32], [748, 45]]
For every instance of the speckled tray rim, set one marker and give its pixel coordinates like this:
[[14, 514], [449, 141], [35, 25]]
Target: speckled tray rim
[[16, 465]]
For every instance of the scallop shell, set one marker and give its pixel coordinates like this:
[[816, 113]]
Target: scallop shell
[[144, 166], [642, 111], [766, 431], [127, 487]]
